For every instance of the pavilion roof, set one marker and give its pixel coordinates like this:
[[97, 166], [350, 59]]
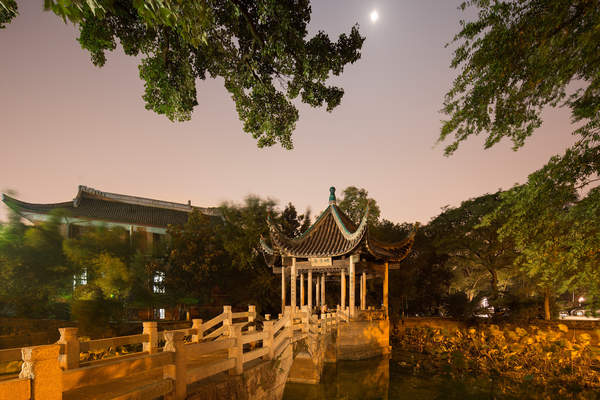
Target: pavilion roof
[[92, 204], [333, 234]]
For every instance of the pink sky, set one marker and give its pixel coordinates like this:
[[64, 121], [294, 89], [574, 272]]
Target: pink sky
[[65, 122]]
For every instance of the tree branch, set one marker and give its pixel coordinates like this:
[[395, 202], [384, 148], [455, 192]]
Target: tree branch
[[249, 22]]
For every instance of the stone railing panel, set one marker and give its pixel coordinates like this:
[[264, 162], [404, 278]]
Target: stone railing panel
[[15, 389]]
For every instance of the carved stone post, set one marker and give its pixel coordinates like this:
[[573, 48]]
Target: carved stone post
[[251, 317], [236, 351], [151, 344], [197, 325], [227, 321], [70, 357], [289, 327], [268, 339], [176, 371], [267, 317], [40, 364], [305, 317], [282, 289]]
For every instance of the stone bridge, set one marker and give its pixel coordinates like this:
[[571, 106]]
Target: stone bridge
[[235, 355]]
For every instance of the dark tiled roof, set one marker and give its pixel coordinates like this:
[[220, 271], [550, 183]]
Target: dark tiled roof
[[90, 207], [334, 234], [390, 251], [328, 236]]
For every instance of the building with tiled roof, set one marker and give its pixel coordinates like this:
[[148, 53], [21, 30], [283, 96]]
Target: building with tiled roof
[[92, 207], [333, 247]]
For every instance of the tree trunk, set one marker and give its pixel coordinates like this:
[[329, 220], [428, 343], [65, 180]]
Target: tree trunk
[[547, 304], [494, 282]]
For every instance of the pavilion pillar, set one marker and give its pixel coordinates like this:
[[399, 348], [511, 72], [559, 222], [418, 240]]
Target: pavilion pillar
[[309, 287], [323, 304], [352, 286], [363, 291], [386, 290], [282, 289], [301, 290], [343, 289], [317, 292], [293, 286]]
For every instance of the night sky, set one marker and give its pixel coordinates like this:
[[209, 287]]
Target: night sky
[[64, 122]]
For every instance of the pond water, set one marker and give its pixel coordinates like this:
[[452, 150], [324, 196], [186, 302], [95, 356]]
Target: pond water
[[387, 379]]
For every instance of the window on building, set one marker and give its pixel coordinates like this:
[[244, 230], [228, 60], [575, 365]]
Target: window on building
[[80, 279], [158, 282], [159, 313]]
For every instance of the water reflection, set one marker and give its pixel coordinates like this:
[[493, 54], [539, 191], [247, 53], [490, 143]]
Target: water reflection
[[365, 379], [387, 379]]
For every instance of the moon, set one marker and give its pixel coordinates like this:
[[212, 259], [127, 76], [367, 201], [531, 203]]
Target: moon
[[374, 16]]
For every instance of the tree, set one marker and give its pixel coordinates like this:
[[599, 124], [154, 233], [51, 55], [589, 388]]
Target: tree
[[293, 224], [35, 277], [8, 10], [515, 59], [354, 203], [261, 50], [196, 262], [475, 253], [422, 283], [555, 232], [244, 224]]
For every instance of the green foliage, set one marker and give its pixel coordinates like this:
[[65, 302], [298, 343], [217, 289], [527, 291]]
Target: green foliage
[[293, 224], [515, 59], [93, 316], [518, 57], [103, 255], [422, 282], [261, 49], [556, 361], [34, 274], [354, 203], [8, 10], [474, 251], [195, 261], [556, 232]]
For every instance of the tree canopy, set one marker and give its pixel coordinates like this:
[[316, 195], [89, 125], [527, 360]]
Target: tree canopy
[[515, 59], [354, 203], [474, 252], [261, 49]]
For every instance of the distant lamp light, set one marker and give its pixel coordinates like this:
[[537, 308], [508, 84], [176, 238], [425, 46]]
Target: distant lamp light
[[580, 299], [485, 302]]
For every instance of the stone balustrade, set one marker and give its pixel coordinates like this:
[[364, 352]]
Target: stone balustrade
[[223, 344]]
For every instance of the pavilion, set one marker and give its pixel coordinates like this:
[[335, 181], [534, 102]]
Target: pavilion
[[333, 246]]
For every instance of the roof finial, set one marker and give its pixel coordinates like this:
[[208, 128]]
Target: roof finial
[[332, 195]]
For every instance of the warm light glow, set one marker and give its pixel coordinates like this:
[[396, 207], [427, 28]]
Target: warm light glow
[[581, 299], [374, 16]]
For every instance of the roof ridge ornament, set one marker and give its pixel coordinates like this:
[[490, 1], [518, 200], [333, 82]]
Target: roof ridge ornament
[[332, 195]]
